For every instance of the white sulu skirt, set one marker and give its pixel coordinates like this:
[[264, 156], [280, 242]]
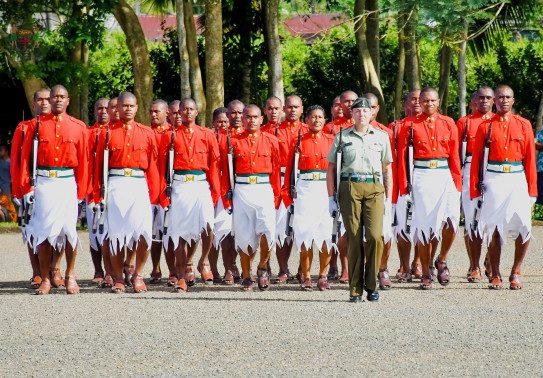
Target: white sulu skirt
[[506, 206], [93, 242], [129, 214], [281, 218], [435, 199], [468, 205], [191, 212], [312, 221], [399, 229], [253, 216], [223, 224], [54, 216]]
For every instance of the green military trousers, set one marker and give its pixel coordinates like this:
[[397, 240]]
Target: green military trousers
[[362, 205]]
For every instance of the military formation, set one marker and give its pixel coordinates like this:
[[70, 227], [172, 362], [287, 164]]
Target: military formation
[[246, 188]]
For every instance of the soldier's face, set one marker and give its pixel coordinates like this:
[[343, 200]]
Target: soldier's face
[[101, 112], [41, 104], [175, 115], [188, 112], [128, 107], [484, 100], [362, 116], [158, 113], [504, 100], [293, 109], [59, 101], [336, 110], [346, 102], [113, 111], [252, 119], [273, 110], [220, 122], [374, 109], [315, 120], [430, 102], [234, 114], [413, 103]]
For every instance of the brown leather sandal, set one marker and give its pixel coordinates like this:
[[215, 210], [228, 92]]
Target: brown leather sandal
[[443, 275], [495, 283], [307, 285], [172, 280], [45, 288], [416, 270], [190, 277], [323, 284], [139, 285], [405, 277], [247, 284], [108, 281], [426, 283], [35, 282], [515, 281], [118, 288], [181, 286], [156, 278], [474, 275], [205, 272], [56, 278], [384, 280], [71, 285], [263, 279]]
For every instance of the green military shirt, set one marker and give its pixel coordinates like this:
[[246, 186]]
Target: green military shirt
[[363, 154]]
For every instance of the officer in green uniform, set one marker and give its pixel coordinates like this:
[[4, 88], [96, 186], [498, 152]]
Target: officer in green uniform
[[365, 178]]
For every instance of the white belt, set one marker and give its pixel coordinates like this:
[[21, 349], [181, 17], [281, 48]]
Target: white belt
[[432, 164], [252, 179], [128, 172], [55, 173], [505, 168], [189, 178], [313, 176]]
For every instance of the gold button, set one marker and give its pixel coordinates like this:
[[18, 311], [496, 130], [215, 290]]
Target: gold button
[[315, 142], [186, 130], [432, 138], [128, 145], [57, 147], [190, 148], [58, 136], [252, 141], [505, 126], [254, 163], [128, 134], [316, 154], [58, 125], [505, 136], [128, 156], [506, 159], [250, 135], [190, 138], [56, 159], [433, 149], [312, 135], [191, 160], [431, 127], [506, 147], [252, 152], [317, 166]]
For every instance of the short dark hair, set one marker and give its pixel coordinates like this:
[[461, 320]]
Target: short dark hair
[[217, 112], [311, 109]]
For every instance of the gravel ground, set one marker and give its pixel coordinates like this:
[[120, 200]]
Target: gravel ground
[[461, 330]]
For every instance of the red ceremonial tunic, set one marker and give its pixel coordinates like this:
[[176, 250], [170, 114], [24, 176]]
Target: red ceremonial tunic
[[475, 120], [222, 133], [15, 166], [130, 146], [160, 130], [286, 133], [93, 132], [394, 164], [512, 140], [253, 153], [195, 149], [62, 144], [314, 149], [434, 137], [334, 126]]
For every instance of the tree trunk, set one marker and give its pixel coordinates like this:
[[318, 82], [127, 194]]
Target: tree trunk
[[398, 93], [539, 120], [411, 57], [245, 68], [184, 68], [372, 34], [196, 84], [74, 109], [275, 64], [141, 63], [462, 77], [444, 77], [372, 80], [79, 91], [214, 58]]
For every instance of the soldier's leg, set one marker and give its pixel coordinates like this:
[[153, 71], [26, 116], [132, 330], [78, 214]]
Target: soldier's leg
[[262, 270], [96, 256], [520, 253], [117, 263], [71, 284], [343, 245], [404, 250], [56, 276], [475, 246], [180, 259], [203, 264], [306, 258], [35, 264], [156, 274], [494, 255], [106, 256], [373, 209], [44, 256], [213, 261]]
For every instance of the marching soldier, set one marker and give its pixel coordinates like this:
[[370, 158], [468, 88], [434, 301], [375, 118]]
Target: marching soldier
[[509, 184], [436, 183], [336, 110], [365, 177], [483, 100], [256, 194], [311, 223], [132, 186], [159, 124], [57, 182], [285, 132], [195, 189]]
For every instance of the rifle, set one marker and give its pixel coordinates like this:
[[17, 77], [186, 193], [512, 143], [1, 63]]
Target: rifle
[[169, 180], [21, 212], [481, 183], [82, 210], [95, 214], [33, 171], [336, 225], [294, 174], [105, 177], [231, 166], [409, 176], [464, 144], [395, 131]]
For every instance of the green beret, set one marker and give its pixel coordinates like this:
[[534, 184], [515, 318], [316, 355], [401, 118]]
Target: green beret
[[361, 102]]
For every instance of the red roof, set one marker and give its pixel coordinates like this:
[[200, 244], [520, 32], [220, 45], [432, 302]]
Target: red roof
[[308, 26]]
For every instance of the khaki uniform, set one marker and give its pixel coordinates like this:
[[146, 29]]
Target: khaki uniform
[[361, 201]]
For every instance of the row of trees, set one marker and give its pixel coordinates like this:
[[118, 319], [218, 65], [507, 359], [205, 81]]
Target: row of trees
[[387, 47]]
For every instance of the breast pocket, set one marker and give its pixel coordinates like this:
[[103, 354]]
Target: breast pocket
[[43, 148], [264, 159], [349, 155], [202, 155], [517, 143], [444, 144], [69, 151], [140, 154]]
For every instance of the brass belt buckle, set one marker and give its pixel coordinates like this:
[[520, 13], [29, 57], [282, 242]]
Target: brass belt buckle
[[128, 172], [506, 168], [189, 178], [253, 179], [53, 173], [316, 176], [433, 163]]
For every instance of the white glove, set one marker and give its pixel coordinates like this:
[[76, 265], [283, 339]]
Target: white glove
[[332, 206], [228, 210], [91, 205], [388, 207], [29, 197], [532, 201]]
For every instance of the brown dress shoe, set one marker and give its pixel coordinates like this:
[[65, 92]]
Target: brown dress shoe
[[139, 285], [56, 278]]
